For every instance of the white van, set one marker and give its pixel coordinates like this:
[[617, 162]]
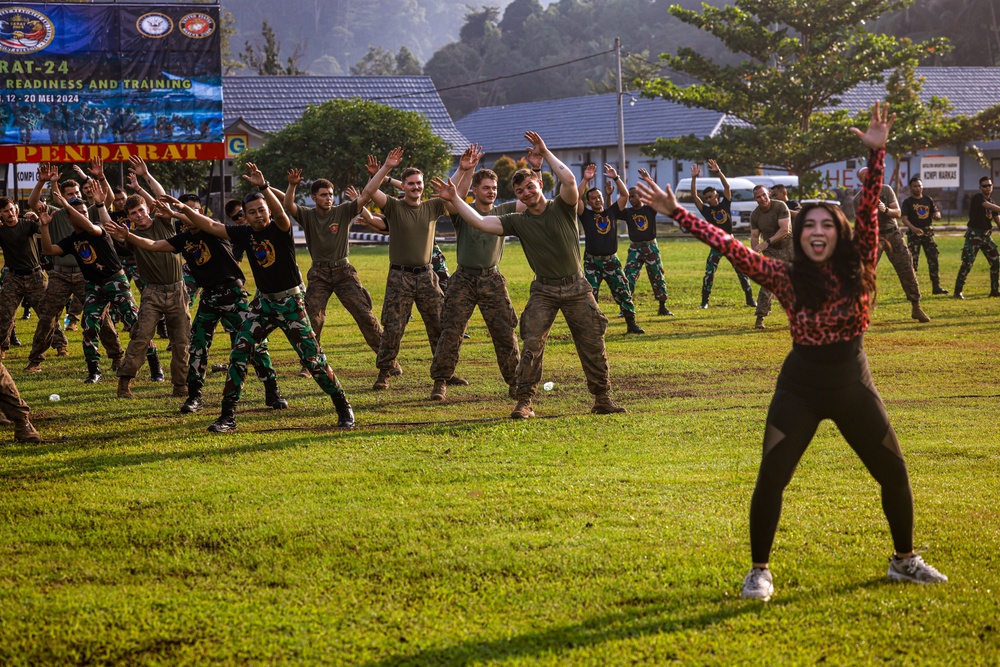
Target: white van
[[742, 190], [770, 180]]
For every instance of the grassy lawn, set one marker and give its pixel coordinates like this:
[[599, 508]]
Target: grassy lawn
[[449, 534]]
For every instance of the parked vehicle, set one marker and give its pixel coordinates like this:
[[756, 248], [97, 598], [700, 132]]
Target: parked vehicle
[[741, 188]]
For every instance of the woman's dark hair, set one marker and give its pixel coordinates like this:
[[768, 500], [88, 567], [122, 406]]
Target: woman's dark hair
[[811, 287]]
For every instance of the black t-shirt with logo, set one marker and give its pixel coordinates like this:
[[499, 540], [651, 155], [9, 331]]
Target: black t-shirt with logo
[[641, 223], [919, 212], [720, 215], [980, 217], [95, 254], [209, 258], [271, 253], [600, 230]]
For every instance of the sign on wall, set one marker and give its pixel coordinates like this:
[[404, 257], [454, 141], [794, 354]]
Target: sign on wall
[[82, 80], [940, 172]]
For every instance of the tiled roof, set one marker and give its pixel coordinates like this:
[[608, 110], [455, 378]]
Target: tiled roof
[[586, 121], [969, 89], [269, 103]]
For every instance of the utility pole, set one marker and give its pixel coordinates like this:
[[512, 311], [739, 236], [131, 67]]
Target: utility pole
[[621, 112]]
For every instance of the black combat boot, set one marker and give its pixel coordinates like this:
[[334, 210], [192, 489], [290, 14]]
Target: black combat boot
[[93, 372], [631, 326], [345, 415], [155, 370], [193, 402], [273, 397], [226, 423]]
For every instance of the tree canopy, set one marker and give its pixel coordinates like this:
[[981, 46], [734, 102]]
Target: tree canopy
[[332, 141], [798, 57]]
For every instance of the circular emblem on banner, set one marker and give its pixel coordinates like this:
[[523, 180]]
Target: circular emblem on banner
[[154, 24], [197, 25], [24, 30]]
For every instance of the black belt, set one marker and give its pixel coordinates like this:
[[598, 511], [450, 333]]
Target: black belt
[[26, 272], [410, 269], [478, 272], [225, 286], [113, 277], [558, 282], [602, 258], [650, 241], [331, 265]]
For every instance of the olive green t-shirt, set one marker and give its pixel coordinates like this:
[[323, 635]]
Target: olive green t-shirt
[[411, 230], [550, 240], [476, 249], [158, 268], [766, 222], [326, 236], [60, 228], [888, 197]]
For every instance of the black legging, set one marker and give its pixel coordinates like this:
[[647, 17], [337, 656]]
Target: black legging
[[828, 382]]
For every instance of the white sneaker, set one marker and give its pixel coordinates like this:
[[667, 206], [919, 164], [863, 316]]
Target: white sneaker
[[914, 569], [758, 585]]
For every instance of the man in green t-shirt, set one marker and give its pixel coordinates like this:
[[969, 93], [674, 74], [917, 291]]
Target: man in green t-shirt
[[477, 282], [411, 224], [551, 244], [771, 236], [326, 228]]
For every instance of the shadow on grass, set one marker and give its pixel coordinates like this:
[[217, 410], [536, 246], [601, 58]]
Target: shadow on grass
[[84, 461], [648, 617]]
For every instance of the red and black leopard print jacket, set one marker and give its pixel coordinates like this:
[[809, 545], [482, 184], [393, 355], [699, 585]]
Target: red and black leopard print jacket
[[843, 317]]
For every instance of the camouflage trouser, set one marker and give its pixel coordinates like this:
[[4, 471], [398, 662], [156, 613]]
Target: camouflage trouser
[[15, 289], [132, 273], [190, 285], [891, 242], [440, 266], [344, 282], [587, 325], [646, 253], [113, 295], [763, 296], [711, 264], [979, 240], [609, 269], [402, 290], [11, 405], [488, 290], [914, 243], [167, 302], [62, 285], [230, 305], [266, 315]]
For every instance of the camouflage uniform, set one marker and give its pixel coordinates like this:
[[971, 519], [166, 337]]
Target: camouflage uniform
[[440, 266], [16, 287], [230, 305], [646, 253], [404, 286], [114, 295], [11, 404], [340, 278], [63, 283], [892, 244], [478, 281], [920, 213], [977, 238], [287, 313], [609, 269]]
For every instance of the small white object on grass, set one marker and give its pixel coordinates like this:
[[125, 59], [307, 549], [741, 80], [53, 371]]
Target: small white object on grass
[[54, 397], [549, 386]]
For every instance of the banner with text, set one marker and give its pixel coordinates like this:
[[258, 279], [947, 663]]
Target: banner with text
[[939, 171], [81, 80]]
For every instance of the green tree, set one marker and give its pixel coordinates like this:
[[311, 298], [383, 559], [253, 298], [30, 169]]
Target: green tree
[[376, 62], [505, 168], [227, 29], [798, 58], [407, 63], [332, 141], [266, 59]]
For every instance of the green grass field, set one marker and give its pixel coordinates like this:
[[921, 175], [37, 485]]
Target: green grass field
[[448, 534]]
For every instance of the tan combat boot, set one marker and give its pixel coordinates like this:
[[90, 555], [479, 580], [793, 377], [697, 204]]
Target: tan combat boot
[[440, 390], [603, 405], [124, 387]]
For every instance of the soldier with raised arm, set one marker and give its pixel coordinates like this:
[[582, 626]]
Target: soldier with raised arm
[[280, 303], [548, 234]]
